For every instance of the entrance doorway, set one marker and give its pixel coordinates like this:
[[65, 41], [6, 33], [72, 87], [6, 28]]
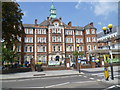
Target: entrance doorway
[[57, 58]]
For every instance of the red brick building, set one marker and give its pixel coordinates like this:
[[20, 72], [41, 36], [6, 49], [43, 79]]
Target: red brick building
[[53, 42]]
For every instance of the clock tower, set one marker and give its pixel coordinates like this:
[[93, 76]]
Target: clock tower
[[52, 11]]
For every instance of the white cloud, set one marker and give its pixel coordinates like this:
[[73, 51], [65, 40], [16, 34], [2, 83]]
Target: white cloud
[[105, 8], [99, 23], [77, 6], [101, 7]]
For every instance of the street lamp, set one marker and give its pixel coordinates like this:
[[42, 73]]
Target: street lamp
[[107, 31], [78, 56]]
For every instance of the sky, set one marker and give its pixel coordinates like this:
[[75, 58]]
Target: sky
[[79, 13]]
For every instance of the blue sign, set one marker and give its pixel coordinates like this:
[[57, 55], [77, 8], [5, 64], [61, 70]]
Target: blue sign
[[79, 59]]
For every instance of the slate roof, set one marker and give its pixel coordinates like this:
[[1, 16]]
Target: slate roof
[[49, 22], [44, 23], [28, 25], [89, 27], [78, 27]]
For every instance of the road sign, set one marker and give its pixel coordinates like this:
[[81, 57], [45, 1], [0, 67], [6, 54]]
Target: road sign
[[79, 59]]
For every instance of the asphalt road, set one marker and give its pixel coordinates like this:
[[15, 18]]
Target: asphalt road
[[75, 81]]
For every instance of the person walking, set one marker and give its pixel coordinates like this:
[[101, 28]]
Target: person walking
[[32, 64]]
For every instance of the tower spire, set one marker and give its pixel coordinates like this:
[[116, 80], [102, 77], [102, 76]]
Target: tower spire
[[52, 11]]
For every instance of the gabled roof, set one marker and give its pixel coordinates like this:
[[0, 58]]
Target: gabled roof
[[44, 23], [78, 27], [89, 27]]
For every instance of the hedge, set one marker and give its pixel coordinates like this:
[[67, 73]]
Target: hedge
[[15, 70]]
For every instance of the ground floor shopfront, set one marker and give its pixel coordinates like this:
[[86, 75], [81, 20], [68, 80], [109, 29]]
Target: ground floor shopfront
[[55, 61]]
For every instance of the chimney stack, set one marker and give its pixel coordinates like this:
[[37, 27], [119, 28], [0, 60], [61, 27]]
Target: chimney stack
[[47, 18], [91, 23], [60, 18], [36, 22], [70, 24]]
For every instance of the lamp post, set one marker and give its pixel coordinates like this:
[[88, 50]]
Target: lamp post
[[78, 56], [107, 31]]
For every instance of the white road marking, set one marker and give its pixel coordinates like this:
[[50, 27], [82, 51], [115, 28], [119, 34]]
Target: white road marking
[[99, 80], [91, 78], [111, 87], [85, 76], [84, 82], [116, 75], [57, 85], [118, 85], [80, 75], [27, 87]]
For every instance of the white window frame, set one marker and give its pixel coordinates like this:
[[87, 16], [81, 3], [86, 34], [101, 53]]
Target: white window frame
[[19, 39], [88, 39], [26, 39], [54, 30], [93, 31], [30, 31], [59, 48], [77, 33], [38, 31], [87, 31], [58, 30], [31, 39], [93, 39], [18, 48], [26, 31], [81, 33], [54, 48], [94, 47], [77, 40], [58, 39], [81, 40], [80, 48], [53, 38], [88, 47]]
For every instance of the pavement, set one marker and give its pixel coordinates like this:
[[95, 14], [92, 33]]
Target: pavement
[[41, 74], [58, 73]]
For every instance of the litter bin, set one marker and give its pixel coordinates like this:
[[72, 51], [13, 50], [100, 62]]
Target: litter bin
[[39, 66], [106, 73]]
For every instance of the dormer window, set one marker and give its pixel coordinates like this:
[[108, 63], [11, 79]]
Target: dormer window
[[56, 24]]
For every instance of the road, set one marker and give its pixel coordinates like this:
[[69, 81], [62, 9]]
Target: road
[[91, 79], [75, 81]]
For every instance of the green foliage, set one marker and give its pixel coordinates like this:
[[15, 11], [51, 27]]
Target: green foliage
[[9, 55], [11, 22], [76, 53], [11, 28]]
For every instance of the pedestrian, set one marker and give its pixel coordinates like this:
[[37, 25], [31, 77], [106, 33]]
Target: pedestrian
[[32, 64], [26, 63]]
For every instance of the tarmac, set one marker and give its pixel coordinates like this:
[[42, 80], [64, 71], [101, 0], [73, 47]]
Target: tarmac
[[57, 73]]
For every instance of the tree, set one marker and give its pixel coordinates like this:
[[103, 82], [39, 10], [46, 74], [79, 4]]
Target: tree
[[11, 23], [11, 29], [76, 53], [8, 55]]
